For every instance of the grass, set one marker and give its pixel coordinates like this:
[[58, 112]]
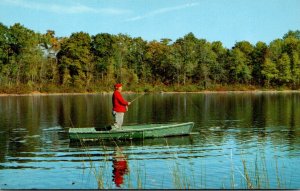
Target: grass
[[182, 179], [257, 173], [100, 171], [243, 174], [138, 88]]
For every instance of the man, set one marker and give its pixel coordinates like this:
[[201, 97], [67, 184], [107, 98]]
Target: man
[[119, 107]]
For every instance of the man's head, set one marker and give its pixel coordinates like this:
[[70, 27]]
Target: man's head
[[118, 87]]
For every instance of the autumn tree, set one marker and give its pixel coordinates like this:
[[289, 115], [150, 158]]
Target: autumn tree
[[158, 60]]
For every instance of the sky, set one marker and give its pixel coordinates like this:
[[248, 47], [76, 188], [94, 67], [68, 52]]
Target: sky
[[228, 21]]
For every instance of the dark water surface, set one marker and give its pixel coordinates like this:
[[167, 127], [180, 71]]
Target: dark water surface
[[245, 140]]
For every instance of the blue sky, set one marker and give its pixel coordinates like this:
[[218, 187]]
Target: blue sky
[[228, 21]]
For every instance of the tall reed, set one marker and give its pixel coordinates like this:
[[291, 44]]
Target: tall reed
[[246, 173], [99, 171], [258, 178]]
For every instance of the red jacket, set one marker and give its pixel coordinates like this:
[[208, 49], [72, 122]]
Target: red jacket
[[119, 104]]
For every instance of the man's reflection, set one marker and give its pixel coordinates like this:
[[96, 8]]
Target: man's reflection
[[120, 167]]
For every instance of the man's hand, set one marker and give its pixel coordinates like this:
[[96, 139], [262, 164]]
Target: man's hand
[[129, 103]]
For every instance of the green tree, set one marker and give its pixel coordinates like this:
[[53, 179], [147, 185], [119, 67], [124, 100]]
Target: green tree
[[247, 49], [138, 54], [81, 61], [176, 62], [102, 48], [218, 70], [121, 51], [259, 56], [284, 70], [269, 71], [291, 46], [25, 55], [208, 67], [4, 53], [295, 69], [136, 60], [187, 56], [50, 45], [75, 60], [276, 48], [239, 71], [293, 34], [4, 46]]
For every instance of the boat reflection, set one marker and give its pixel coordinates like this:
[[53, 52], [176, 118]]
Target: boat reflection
[[120, 167], [176, 140]]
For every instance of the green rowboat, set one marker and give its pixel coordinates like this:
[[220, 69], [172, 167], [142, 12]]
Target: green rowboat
[[133, 131]]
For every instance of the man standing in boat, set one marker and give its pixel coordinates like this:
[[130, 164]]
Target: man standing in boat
[[119, 107]]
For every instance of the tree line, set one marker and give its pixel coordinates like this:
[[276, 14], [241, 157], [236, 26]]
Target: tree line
[[84, 62]]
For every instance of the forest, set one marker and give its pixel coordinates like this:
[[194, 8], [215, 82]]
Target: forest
[[31, 61]]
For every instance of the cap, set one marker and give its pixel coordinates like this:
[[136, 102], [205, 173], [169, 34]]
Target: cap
[[118, 85]]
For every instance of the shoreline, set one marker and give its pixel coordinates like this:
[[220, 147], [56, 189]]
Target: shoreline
[[36, 93]]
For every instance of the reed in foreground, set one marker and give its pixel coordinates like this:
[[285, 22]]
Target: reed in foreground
[[246, 173]]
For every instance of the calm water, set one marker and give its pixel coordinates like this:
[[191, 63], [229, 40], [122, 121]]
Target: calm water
[[245, 140]]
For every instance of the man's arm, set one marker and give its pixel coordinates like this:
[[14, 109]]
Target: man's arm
[[122, 100]]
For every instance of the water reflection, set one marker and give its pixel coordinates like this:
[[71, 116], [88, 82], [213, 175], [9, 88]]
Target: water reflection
[[31, 127], [120, 166]]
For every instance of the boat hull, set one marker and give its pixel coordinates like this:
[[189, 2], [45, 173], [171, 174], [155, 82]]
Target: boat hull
[[133, 132]]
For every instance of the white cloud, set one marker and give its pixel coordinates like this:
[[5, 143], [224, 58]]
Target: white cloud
[[162, 11], [57, 8]]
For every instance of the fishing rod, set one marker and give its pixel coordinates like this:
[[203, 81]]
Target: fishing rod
[[137, 98], [134, 100]]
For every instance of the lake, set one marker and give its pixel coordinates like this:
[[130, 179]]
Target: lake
[[245, 140]]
